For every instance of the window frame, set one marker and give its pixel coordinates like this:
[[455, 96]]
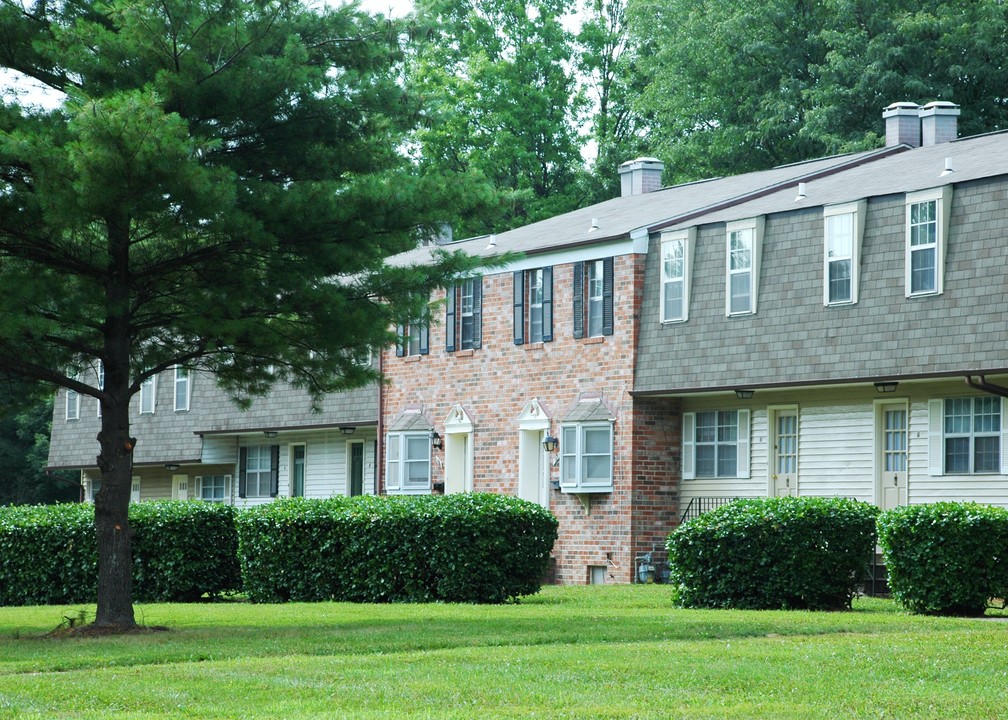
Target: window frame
[[939, 421], [459, 315], [271, 471], [73, 403], [857, 210], [201, 484], [100, 376], [942, 199], [687, 238], [186, 382], [396, 463], [148, 395], [413, 338], [743, 424], [755, 227], [522, 295], [587, 277], [573, 461]]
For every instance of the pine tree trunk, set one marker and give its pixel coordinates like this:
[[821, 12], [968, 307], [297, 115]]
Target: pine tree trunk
[[115, 555]]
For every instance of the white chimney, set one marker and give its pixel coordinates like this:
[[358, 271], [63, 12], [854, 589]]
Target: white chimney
[[902, 124], [938, 122], [640, 176]]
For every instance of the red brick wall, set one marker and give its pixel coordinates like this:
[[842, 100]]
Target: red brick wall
[[495, 382]]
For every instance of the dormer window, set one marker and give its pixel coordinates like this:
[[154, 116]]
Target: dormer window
[[927, 222], [744, 248], [844, 229]]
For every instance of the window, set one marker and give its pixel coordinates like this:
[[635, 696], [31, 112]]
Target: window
[[676, 264], [463, 315], [101, 382], [592, 291], [742, 269], [715, 444], [586, 457], [72, 405], [972, 435], [927, 217], [148, 390], [408, 462], [258, 467], [413, 339], [181, 389], [533, 306], [844, 228], [214, 488]]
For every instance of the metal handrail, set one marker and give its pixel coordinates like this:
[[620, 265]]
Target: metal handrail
[[699, 505]]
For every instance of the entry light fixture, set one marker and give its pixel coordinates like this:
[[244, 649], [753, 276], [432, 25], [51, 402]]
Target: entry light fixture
[[171, 467], [270, 433], [886, 387], [436, 441], [347, 430], [744, 394], [551, 444]]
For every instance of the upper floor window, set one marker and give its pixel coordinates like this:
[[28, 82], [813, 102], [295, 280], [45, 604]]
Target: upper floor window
[[101, 382], [744, 244], [464, 315], [971, 435], [407, 467], [413, 339], [148, 392], [533, 305], [181, 388], [927, 217], [72, 405], [676, 263], [258, 467], [715, 444], [592, 291], [844, 229]]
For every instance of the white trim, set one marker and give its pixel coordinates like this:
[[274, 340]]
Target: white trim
[[148, 387], [72, 405], [942, 197], [936, 417], [395, 482], [579, 483], [858, 209], [290, 469], [533, 416], [621, 246], [756, 225], [188, 389], [688, 239], [688, 446], [349, 477], [742, 463]]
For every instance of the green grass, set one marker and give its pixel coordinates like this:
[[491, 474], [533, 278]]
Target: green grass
[[596, 652]]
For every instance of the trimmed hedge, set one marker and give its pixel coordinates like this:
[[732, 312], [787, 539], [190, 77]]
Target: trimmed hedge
[[773, 553], [946, 558], [469, 547], [181, 550]]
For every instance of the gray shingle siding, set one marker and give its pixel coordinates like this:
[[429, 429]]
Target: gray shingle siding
[[170, 436], [793, 338]]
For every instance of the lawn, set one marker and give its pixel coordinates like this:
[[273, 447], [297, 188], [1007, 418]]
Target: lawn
[[588, 652]]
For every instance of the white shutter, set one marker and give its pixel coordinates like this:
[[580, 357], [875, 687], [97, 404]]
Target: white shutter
[[199, 488], [393, 474], [227, 490], [743, 444], [1004, 437], [936, 417], [688, 450]]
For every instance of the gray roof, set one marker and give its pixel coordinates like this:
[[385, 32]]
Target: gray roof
[[410, 420], [589, 410], [974, 158], [619, 217]]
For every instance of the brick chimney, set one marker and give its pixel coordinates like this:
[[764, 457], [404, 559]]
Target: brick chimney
[[902, 124], [640, 176], [938, 122]]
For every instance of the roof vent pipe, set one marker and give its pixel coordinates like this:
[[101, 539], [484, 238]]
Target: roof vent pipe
[[801, 192], [902, 124]]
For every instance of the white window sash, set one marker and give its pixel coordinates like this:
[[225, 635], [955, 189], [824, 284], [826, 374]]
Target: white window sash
[[687, 238], [148, 395], [183, 383], [858, 210], [756, 227], [942, 197]]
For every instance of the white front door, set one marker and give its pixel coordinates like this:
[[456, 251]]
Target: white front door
[[532, 467], [784, 471], [458, 468], [891, 479]]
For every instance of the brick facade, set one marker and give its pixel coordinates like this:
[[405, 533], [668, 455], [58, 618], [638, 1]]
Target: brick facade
[[495, 382]]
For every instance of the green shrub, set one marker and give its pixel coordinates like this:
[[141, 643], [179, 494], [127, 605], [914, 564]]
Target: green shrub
[[795, 553], [471, 547], [946, 558], [181, 550]]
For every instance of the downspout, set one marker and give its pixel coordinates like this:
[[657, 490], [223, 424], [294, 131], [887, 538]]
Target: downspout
[[380, 440], [986, 387]]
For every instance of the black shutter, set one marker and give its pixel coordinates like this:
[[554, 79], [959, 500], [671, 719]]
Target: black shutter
[[424, 338], [450, 319], [274, 470], [607, 296], [477, 312], [242, 474], [578, 291], [400, 331], [519, 307], [547, 304]]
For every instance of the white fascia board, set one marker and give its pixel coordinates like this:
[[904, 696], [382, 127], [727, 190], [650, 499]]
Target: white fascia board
[[561, 256]]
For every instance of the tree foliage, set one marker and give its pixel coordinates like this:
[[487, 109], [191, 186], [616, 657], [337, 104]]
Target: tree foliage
[[495, 77], [743, 85], [220, 189]]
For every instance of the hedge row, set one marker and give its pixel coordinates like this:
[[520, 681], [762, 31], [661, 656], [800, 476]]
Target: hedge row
[[471, 547], [773, 553], [946, 558], [181, 551]]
